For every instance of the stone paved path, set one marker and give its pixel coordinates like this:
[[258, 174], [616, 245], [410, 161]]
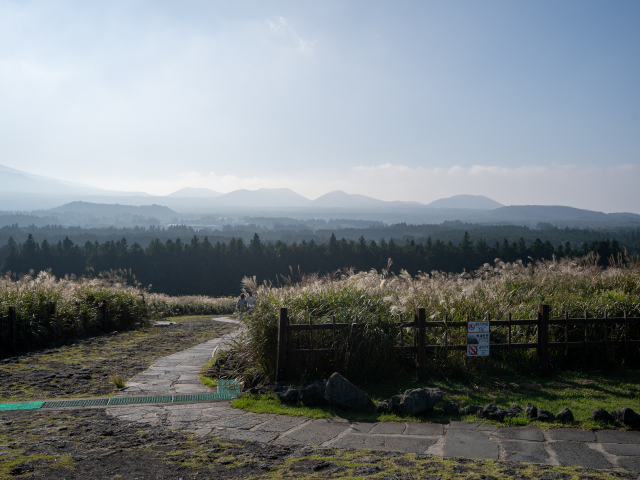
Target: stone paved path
[[603, 449], [176, 374]]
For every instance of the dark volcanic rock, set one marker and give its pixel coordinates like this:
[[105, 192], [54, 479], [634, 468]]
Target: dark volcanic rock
[[565, 415], [514, 410], [416, 402], [492, 412], [451, 408], [313, 393], [545, 416], [601, 415], [286, 391], [626, 416], [342, 393], [470, 410], [382, 406], [531, 411]]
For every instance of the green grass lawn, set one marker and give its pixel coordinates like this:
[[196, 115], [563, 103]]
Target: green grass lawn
[[580, 392]]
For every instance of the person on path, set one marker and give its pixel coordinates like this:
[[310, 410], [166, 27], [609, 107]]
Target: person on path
[[250, 300], [241, 305]]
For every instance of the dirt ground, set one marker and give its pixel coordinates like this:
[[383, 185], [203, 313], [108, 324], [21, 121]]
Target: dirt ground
[[89, 444], [85, 367]]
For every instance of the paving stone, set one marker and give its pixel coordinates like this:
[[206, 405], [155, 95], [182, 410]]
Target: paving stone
[[574, 434], [362, 427], [358, 441], [281, 424], [317, 432], [525, 452], [263, 437], [622, 449], [389, 427], [630, 463], [616, 436], [463, 425], [487, 427], [531, 434], [469, 443], [406, 443], [575, 453], [428, 429]]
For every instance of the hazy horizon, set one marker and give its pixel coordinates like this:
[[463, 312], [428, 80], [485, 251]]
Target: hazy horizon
[[412, 101]]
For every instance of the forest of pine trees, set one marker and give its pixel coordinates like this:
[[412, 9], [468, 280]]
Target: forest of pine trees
[[201, 267]]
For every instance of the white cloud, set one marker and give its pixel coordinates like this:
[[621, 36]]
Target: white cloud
[[281, 28]]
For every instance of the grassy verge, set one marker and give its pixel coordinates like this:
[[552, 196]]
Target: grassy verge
[[209, 382], [580, 392]]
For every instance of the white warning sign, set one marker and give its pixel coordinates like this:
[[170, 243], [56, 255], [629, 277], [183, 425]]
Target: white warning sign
[[478, 339]]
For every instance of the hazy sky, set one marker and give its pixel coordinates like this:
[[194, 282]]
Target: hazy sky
[[525, 102]]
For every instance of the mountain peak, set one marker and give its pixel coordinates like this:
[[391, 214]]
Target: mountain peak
[[467, 202]]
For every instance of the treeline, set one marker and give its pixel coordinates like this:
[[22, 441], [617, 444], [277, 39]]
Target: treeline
[[203, 267]]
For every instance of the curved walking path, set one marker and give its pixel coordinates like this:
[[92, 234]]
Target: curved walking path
[[178, 374]]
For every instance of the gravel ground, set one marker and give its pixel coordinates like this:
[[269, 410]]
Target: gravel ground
[[89, 444], [85, 367]]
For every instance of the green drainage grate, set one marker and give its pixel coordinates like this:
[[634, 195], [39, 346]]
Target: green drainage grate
[[21, 406], [92, 402], [227, 390], [134, 400]]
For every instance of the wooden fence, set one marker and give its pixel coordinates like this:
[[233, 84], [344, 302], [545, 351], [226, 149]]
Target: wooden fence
[[17, 333], [420, 325]]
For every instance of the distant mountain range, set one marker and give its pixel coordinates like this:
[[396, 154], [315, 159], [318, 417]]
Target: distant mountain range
[[48, 197]]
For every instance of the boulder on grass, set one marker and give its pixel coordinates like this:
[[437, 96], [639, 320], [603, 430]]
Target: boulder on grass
[[312, 395], [492, 412], [545, 416], [531, 411], [451, 408], [626, 416], [416, 401], [383, 406], [286, 391], [514, 410], [565, 415], [601, 415], [470, 410], [340, 392]]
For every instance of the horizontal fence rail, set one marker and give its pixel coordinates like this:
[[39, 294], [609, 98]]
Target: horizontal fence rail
[[419, 349]]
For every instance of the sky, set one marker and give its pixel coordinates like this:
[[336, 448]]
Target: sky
[[524, 102]]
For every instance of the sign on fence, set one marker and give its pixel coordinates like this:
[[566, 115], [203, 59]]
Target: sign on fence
[[478, 339]]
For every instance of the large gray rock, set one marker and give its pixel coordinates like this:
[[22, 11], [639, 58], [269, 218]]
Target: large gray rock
[[492, 412], [470, 410], [626, 416], [286, 391], [340, 392], [531, 411], [451, 408], [545, 416], [514, 410], [416, 401], [313, 394], [601, 415], [565, 415]]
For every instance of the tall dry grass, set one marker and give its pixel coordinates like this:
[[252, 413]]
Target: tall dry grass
[[381, 299], [78, 302]]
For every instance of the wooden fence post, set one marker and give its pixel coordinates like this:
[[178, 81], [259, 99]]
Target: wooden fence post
[[543, 338], [420, 341], [281, 361]]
